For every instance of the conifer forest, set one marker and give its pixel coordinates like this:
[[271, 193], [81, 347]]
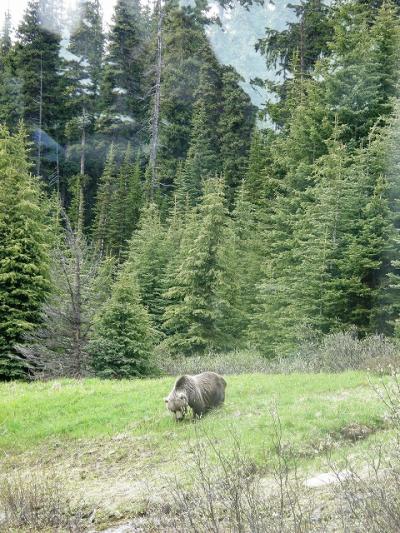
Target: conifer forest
[[167, 187]]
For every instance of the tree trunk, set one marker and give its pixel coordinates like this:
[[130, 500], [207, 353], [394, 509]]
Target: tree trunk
[[155, 121], [39, 148]]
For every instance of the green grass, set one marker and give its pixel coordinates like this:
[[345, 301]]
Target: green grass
[[111, 441], [310, 408]]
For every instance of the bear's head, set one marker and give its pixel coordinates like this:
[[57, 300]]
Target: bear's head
[[177, 403]]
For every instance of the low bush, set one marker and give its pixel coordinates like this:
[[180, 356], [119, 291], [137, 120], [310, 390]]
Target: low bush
[[336, 352], [238, 362], [226, 492], [36, 503]]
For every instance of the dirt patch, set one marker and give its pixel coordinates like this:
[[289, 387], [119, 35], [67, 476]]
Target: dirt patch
[[355, 432]]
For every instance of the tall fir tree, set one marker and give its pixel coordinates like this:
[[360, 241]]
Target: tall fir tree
[[38, 66], [103, 223], [24, 259], [147, 261], [202, 298], [83, 69], [307, 37], [11, 103], [123, 102], [363, 67], [184, 39], [5, 39], [126, 203], [235, 129], [203, 159]]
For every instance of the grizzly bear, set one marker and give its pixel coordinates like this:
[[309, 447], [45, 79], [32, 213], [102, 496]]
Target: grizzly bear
[[201, 393]]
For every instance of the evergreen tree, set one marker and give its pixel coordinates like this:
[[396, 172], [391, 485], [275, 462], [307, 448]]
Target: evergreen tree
[[203, 158], [83, 73], [123, 105], [147, 260], [249, 228], [24, 260], [184, 40], [11, 103], [307, 37], [235, 130], [126, 203], [363, 68], [5, 39], [38, 66], [123, 338], [202, 298], [103, 223]]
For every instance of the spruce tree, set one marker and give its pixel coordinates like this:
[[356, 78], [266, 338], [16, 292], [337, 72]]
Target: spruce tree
[[38, 66], [184, 40], [307, 37], [5, 39], [103, 223], [203, 160], [235, 129], [24, 259], [147, 260], [11, 103], [122, 342], [126, 203], [202, 309], [363, 68], [83, 73], [123, 104]]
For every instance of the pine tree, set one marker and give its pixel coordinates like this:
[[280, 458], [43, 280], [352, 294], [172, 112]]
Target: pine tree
[[24, 260], [307, 35], [307, 38], [249, 230], [203, 159], [134, 195], [202, 297], [123, 106], [103, 224], [83, 73], [5, 40], [363, 68], [126, 203], [11, 103], [147, 260], [184, 40], [235, 130], [123, 338], [38, 66]]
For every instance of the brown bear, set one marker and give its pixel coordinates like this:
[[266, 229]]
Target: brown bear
[[201, 393]]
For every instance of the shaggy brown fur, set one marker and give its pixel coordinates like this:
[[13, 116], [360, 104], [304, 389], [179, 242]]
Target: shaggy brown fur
[[201, 393]]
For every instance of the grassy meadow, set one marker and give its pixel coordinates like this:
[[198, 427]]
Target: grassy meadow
[[113, 442]]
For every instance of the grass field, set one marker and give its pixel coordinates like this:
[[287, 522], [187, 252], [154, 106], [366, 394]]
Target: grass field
[[113, 440]]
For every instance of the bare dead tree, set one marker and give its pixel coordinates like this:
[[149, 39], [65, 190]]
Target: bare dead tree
[[80, 279]]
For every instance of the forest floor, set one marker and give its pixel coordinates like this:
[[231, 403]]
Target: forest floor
[[117, 450]]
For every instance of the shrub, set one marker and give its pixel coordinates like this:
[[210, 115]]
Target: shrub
[[333, 353], [226, 492], [36, 503]]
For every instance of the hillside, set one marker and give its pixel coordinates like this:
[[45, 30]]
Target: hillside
[[115, 447]]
